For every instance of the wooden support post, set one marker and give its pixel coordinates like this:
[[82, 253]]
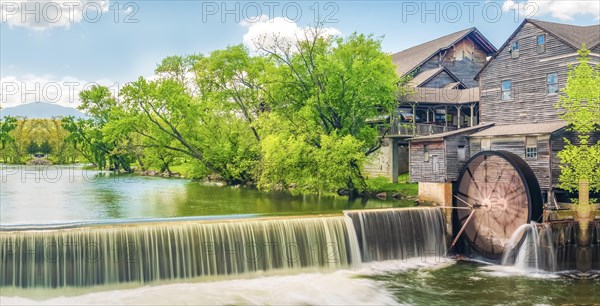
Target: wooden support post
[[472, 114], [458, 110], [414, 119], [395, 157], [446, 114]]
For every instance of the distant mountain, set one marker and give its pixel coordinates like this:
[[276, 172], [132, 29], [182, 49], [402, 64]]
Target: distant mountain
[[41, 110]]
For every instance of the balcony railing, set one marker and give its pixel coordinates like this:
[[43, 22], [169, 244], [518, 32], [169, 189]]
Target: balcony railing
[[419, 129]]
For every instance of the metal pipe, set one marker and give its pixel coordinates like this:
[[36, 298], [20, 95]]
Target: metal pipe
[[461, 231]]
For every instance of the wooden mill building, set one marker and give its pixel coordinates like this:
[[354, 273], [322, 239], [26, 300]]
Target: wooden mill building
[[444, 95], [519, 87]]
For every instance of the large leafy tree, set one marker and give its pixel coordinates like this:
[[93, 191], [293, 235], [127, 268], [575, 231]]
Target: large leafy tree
[[89, 135], [322, 90], [7, 126], [581, 104], [203, 108]]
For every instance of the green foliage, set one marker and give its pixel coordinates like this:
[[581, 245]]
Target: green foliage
[[7, 140], [294, 116], [45, 147], [33, 147], [579, 162], [322, 91], [581, 96], [581, 105], [383, 184], [89, 136], [377, 183], [290, 161], [333, 85], [22, 137]]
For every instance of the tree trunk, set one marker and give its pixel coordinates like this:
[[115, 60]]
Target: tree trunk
[[583, 212]]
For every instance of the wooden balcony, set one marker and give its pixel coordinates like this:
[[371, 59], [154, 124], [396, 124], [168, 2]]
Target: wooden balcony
[[418, 129]]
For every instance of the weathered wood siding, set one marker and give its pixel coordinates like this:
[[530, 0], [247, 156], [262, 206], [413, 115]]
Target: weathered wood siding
[[516, 145], [380, 162], [463, 68], [453, 165], [423, 171], [530, 101], [439, 80]]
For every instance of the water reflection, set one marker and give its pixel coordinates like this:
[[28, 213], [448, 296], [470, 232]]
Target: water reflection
[[63, 194]]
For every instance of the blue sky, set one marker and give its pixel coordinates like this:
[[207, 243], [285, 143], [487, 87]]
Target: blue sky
[[117, 41]]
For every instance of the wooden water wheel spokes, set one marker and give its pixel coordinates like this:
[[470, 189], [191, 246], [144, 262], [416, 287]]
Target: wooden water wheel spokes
[[504, 194]]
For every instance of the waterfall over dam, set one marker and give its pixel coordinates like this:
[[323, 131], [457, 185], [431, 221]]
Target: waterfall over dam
[[147, 252], [399, 234]]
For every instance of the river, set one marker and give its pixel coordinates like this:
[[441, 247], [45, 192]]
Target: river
[[98, 207], [70, 194]]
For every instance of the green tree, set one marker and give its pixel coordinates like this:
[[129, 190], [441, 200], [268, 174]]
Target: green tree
[[88, 135], [33, 148], [7, 126], [581, 104], [45, 147], [205, 110], [324, 89]]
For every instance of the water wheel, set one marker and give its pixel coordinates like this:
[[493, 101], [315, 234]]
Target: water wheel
[[496, 193]]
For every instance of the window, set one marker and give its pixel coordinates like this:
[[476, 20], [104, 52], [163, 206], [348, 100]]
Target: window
[[506, 90], [514, 50], [426, 153], [531, 148], [462, 153], [541, 43], [486, 144], [440, 115], [435, 164], [552, 83]]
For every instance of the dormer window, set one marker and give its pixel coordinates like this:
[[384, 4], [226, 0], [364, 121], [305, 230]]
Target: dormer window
[[541, 44], [514, 50]]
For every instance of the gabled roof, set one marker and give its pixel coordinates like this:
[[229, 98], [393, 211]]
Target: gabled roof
[[572, 35], [522, 129], [408, 60], [441, 136], [427, 75]]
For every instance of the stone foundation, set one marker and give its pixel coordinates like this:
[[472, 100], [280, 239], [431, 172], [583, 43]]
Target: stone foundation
[[439, 194]]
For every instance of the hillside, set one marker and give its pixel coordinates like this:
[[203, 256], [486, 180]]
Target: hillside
[[41, 110]]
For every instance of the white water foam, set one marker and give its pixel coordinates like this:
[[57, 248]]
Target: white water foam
[[512, 271], [342, 287]]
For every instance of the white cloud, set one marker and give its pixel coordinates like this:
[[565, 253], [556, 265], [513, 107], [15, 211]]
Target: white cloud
[[46, 88], [266, 31], [45, 14], [560, 9]]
